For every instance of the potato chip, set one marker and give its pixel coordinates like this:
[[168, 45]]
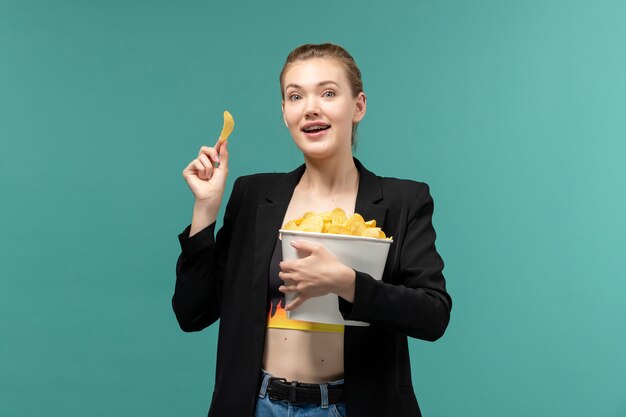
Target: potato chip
[[327, 216], [356, 224], [371, 232], [338, 217], [338, 230], [229, 125], [291, 226], [313, 223], [336, 222], [357, 218]]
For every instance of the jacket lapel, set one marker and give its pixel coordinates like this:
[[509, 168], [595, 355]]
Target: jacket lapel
[[269, 217], [369, 196]]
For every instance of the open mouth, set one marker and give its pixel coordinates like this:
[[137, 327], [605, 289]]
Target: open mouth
[[315, 128]]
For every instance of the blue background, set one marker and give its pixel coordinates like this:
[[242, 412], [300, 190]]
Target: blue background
[[513, 112]]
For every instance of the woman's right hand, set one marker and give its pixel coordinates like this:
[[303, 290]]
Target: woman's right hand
[[206, 180]]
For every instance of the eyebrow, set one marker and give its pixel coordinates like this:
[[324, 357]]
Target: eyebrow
[[320, 84]]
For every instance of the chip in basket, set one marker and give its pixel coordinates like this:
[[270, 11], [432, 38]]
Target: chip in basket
[[336, 222]]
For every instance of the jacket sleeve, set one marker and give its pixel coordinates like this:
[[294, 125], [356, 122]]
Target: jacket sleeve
[[200, 271], [420, 305]]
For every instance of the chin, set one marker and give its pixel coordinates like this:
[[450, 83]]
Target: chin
[[322, 154], [314, 149]]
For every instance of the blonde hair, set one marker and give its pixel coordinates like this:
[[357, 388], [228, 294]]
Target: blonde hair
[[331, 51]]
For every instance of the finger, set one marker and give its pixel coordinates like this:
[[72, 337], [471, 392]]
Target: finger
[[211, 153], [286, 266], [223, 152], [305, 247], [195, 168], [296, 303], [287, 278], [199, 169], [204, 149], [287, 289], [205, 159], [218, 145], [292, 266], [207, 164], [207, 169]]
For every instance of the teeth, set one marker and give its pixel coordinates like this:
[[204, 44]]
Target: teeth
[[315, 128]]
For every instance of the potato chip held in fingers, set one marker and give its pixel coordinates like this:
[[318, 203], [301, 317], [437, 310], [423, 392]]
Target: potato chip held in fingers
[[229, 125]]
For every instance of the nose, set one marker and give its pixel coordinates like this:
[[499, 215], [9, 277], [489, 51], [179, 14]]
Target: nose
[[312, 108]]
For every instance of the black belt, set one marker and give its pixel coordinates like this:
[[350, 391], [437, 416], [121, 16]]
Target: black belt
[[298, 393]]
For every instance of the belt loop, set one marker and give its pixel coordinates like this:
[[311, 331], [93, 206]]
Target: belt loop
[[294, 385], [264, 384], [324, 391]]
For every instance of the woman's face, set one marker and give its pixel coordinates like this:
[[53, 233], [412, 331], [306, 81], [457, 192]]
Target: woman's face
[[319, 108]]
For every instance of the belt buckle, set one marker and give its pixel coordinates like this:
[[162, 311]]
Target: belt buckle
[[269, 388], [292, 387]]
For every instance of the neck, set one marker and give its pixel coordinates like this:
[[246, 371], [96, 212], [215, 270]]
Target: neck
[[330, 176]]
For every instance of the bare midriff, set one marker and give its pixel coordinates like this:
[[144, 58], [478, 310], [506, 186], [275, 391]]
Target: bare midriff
[[303, 356]]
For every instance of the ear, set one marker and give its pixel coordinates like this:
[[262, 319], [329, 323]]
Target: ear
[[282, 106], [360, 107]]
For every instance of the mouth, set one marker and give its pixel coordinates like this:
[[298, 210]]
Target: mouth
[[315, 127]]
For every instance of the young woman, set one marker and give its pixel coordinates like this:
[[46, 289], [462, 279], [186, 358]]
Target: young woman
[[271, 366]]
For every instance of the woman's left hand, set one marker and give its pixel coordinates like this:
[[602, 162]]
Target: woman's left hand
[[315, 274]]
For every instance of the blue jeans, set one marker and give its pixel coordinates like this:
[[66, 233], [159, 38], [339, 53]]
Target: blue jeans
[[266, 407]]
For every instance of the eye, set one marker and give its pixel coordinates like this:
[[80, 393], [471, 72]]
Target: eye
[[294, 97], [328, 94]]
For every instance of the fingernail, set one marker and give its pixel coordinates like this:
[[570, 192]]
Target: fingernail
[[293, 243]]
